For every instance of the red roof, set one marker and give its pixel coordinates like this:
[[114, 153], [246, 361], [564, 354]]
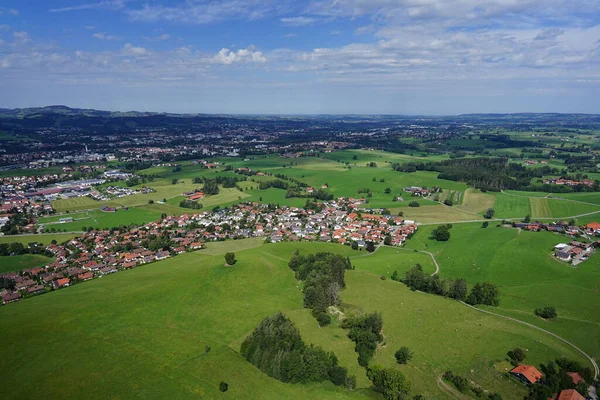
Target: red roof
[[570, 394], [530, 372], [575, 377], [593, 225]]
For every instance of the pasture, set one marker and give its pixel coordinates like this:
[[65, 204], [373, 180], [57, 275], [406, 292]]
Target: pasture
[[527, 274], [173, 329]]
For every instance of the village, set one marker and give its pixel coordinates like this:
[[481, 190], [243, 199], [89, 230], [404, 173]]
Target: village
[[97, 253]]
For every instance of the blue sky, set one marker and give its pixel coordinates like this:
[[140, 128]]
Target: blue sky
[[302, 57]]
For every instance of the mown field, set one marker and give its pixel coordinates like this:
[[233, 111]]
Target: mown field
[[17, 263], [521, 264], [145, 332]]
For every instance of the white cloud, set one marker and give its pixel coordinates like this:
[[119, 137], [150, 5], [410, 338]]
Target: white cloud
[[90, 27], [163, 37], [4, 28], [106, 5], [290, 35], [298, 21], [549, 33], [226, 56], [12, 11], [131, 50], [207, 11], [21, 37], [105, 36]]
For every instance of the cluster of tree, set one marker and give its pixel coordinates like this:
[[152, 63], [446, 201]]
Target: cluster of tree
[[486, 173], [391, 383], [158, 243], [273, 183], [277, 349], [442, 233], [16, 248], [464, 386], [414, 204], [365, 332], [14, 223], [194, 205], [211, 187], [556, 379], [489, 214], [323, 276], [546, 312], [482, 293]]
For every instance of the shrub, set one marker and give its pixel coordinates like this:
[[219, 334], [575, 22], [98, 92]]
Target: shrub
[[230, 258], [223, 387], [448, 202], [323, 319], [546, 312], [403, 355], [517, 355], [414, 204]]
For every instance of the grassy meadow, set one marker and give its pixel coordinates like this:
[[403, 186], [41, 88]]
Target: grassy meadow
[[173, 329], [528, 276], [17, 263]]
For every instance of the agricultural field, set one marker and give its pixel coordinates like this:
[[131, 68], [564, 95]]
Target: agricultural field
[[532, 278], [17, 263], [511, 206], [101, 219], [42, 238], [118, 325], [475, 201]]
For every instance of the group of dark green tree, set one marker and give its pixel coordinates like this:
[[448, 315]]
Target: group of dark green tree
[[323, 276], [494, 174], [277, 349], [481, 293]]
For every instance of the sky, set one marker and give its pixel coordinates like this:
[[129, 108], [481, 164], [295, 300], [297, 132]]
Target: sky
[[434, 57]]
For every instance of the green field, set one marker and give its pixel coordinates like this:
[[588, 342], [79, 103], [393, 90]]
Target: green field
[[509, 206], [521, 264], [540, 207], [40, 238], [17, 263], [101, 219], [145, 332]]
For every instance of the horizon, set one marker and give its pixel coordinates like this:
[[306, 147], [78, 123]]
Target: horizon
[[251, 57], [297, 114]]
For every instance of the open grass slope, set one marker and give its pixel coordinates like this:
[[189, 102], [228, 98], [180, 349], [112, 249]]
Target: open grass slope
[[521, 264], [17, 263], [145, 332]]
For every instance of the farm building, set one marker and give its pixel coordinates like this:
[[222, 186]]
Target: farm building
[[526, 373]]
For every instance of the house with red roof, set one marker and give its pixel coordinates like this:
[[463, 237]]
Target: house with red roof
[[526, 373], [568, 394]]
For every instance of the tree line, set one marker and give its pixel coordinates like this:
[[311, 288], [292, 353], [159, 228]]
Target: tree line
[[481, 293]]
